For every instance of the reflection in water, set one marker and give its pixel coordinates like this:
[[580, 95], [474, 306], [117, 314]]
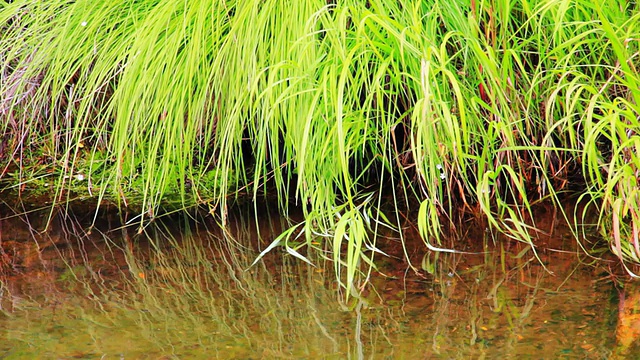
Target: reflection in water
[[187, 291]]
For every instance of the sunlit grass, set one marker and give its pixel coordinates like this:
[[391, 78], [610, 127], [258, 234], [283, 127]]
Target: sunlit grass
[[487, 106]]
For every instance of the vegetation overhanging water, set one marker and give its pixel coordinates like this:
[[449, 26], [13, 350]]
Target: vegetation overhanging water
[[445, 107]]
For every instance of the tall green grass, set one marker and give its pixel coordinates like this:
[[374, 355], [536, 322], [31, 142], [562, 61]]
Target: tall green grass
[[487, 106]]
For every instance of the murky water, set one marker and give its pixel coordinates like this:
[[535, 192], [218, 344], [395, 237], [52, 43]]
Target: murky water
[[187, 290]]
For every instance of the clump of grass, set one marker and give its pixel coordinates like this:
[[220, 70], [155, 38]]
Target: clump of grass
[[487, 106]]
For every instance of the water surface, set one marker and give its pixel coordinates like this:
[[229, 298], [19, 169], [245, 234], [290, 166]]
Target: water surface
[[183, 289]]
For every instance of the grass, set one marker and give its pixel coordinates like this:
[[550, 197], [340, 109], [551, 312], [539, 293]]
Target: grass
[[488, 106]]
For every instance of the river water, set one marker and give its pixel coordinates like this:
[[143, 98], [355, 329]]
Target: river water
[[186, 289]]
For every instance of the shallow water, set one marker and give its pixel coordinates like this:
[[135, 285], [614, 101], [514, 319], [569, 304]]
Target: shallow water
[[187, 290]]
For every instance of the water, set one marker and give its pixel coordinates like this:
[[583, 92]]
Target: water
[[186, 290]]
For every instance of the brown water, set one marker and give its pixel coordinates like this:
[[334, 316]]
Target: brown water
[[186, 290]]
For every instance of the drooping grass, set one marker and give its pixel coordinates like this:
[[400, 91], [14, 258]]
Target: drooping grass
[[486, 106]]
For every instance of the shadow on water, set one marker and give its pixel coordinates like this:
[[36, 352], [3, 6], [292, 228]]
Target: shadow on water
[[186, 290]]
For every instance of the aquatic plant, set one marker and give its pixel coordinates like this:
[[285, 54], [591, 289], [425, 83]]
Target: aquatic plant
[[487, 106]]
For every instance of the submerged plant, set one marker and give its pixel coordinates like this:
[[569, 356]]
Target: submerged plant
[[486, 106]]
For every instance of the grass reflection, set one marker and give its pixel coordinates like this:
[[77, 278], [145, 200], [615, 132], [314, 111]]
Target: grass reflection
[[187, 290], [171, 292]]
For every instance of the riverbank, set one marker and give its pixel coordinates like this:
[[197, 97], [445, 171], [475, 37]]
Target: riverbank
[[483, 107]]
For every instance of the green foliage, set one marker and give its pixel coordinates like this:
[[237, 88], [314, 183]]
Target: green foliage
[[490, 105]]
